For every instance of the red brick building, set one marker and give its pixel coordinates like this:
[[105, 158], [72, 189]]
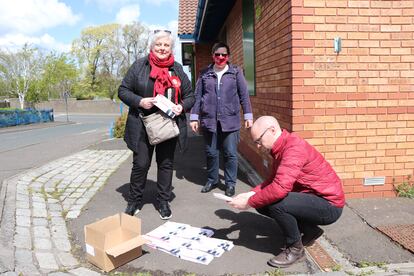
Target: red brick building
[[340, 73]]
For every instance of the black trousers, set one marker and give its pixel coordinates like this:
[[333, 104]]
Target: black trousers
[[301, 213], [164, 154]]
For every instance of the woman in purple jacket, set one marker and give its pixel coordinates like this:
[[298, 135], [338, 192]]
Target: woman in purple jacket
[[220, 90]]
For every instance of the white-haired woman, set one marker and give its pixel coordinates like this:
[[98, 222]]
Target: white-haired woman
[[154, 74]]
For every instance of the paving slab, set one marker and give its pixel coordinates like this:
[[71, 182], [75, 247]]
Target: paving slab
[[359, 241], [384, 211]]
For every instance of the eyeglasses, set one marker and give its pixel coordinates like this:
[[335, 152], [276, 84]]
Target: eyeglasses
[[157, 31], [220, 54], [259, 140]]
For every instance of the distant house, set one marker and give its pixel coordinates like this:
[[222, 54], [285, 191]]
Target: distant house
[[340, 73]]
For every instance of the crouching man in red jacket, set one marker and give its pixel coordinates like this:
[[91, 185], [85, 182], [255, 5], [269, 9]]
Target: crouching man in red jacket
[[302, 192]]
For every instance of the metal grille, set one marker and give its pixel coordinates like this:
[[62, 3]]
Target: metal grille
[[402, 234], [321, 257]]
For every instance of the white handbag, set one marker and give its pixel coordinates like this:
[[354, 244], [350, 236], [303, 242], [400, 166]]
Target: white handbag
[[160, 127]]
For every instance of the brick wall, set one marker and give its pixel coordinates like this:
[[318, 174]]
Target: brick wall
[[356, 107], [202, 57], [273, 73], [234, 34]]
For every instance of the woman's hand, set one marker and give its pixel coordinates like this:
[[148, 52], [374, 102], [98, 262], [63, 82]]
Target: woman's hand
[[248, 123], [177, 109], [194, 126], [147, 103]]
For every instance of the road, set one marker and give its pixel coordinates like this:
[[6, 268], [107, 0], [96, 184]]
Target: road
[[30, 146]]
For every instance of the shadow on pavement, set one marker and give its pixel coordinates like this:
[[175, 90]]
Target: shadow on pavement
[[265, 233], [191, 165], [150, 193]]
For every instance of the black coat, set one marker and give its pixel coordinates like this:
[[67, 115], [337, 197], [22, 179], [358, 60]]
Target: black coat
[[137, 85]]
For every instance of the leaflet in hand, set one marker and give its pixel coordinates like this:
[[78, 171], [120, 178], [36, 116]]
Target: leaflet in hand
[[223, 197], [164, 105]]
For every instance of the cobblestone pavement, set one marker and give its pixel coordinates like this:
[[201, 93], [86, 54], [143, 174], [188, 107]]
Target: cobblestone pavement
[[43, 199]]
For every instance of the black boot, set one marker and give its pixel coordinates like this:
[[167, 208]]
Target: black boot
[[164, 210], [230, 190], [133, 208], [208, 187], [311, 236], [288, 256]]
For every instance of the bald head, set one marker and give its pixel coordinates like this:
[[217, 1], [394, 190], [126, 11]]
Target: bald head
[[265, 131], [264, 122]]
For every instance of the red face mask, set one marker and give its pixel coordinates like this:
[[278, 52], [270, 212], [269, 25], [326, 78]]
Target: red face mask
[[220, 59]]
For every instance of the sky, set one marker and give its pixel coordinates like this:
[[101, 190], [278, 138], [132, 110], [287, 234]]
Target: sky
[[54, 24]]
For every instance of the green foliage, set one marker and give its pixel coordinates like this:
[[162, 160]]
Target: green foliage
[[336, 267], [275, 272], [9, 109], [363, 273], [36, 92], [363, 264], [20, 71], [60, 74], [108, 85], [118, 273], [406, 188], [82, 90], [119, 128], [105, 53], [91, 47], [3, 87]]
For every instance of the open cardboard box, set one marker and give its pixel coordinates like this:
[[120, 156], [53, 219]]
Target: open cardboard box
[[113, 241]]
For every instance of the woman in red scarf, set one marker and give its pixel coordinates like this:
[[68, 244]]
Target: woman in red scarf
[[154, 74]]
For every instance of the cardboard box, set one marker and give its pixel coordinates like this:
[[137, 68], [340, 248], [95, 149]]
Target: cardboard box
[[113, 241]]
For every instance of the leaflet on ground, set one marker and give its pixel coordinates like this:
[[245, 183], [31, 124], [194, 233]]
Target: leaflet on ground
[[187, 242]]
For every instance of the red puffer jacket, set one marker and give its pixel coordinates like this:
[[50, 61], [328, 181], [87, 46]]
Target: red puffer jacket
[[298, 167]]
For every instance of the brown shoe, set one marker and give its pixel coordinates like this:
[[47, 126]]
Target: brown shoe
[[288, 256]]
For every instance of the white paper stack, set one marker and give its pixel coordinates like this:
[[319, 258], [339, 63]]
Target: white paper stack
[[187, 242]]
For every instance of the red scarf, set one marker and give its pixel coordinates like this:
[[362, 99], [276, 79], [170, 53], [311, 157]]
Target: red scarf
[[159, 72]]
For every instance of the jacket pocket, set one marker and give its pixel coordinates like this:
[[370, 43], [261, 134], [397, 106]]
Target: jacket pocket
[[231, 109]]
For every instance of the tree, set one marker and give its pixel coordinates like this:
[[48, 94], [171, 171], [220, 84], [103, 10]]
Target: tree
[[21, 70], [59, 75], [3, 86], [90, 48], [126, 45], [134, 43], [105, 53]]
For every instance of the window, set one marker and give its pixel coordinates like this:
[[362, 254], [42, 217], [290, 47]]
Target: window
[[248, 45], [187, 53]]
